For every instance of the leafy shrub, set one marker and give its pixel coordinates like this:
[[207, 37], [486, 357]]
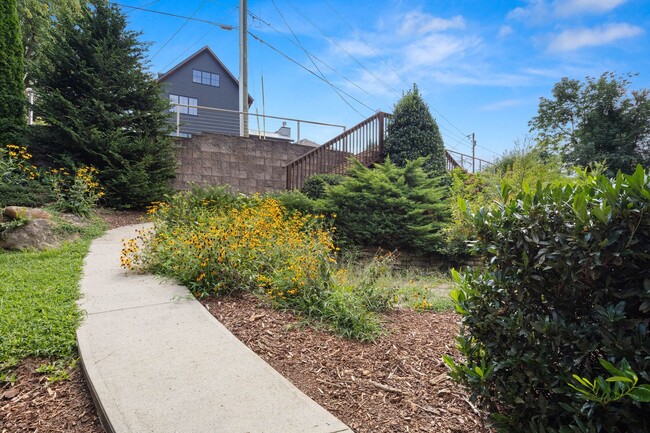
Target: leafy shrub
[[214, 242], [566, 285], [315, 185], [390, 207], [295, 201]]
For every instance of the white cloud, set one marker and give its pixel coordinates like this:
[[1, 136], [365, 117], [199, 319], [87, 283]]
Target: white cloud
[[573, 39], [565, 8], [434, 49], [500, 105], [505, 31], [535, 11], [418, 23]]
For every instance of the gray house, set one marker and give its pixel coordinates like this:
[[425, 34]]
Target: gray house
[[201, 85]]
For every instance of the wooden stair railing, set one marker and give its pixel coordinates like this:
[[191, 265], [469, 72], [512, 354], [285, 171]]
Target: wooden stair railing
[[364, 141]]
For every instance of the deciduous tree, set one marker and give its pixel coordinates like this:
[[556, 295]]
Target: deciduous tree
[[599, 119]]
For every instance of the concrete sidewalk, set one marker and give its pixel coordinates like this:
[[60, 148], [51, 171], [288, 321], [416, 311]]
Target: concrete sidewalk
[[157, 361]]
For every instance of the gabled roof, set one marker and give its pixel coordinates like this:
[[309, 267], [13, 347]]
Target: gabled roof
[[207, 49]]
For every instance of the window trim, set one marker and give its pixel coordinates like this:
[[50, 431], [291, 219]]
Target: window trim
[[186, 104], [206, 78]]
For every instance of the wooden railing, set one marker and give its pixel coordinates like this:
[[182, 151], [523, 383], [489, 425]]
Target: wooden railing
[[364, 142]]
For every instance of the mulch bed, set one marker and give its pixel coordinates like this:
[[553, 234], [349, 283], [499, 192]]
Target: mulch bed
[[398, 384], [32, 404]]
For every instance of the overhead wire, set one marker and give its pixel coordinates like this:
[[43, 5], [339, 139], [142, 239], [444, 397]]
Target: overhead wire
[[379, 80], [314, 63], [286, 56], [386, 63], [312, 54], [178, 30], [214, 23]]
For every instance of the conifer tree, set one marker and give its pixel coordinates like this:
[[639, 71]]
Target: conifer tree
[[104, 109], [414, 133], [12, 99]]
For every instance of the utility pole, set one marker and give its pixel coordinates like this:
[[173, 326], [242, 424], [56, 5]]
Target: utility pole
[[243, 68], [473, 153]]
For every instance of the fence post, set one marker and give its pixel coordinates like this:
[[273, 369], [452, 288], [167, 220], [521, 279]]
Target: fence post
[[298, 140]]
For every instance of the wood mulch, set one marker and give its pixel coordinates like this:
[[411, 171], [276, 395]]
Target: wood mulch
[[32, 404], [398, 384]]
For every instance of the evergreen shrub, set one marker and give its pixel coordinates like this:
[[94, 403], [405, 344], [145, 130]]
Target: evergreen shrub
[[566, 291], [390, 207], [315, 185]]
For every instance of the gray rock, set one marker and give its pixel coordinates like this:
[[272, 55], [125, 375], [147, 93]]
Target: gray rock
[[37, 234]]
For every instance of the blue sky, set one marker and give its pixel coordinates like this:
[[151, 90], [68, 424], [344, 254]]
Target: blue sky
[[480, 65]]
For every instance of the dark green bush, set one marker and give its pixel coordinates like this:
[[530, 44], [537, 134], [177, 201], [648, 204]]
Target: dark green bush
[[314, 186], [295, 201], [32, 195], [567, 285], [390, 207]]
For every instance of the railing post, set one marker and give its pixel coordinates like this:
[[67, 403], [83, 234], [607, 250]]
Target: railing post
[[380, 139], [298, 140], [178, 120]]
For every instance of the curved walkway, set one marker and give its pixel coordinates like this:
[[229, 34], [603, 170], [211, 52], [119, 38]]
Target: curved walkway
[[157, 361]]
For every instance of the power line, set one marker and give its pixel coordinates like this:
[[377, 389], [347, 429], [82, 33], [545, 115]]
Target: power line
[[178, 30], [188, 48], [312, 54], [379, 80], [312, 60], [388, 64], [214, 23], [253, 35]]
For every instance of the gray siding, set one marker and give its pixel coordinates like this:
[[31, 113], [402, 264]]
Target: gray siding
[[225, 96]]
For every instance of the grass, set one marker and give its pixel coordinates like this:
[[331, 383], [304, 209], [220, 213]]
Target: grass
[[38, 294]]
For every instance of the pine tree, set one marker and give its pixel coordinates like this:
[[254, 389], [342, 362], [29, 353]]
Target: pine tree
[[12, 98], [104, 109], [414, 133]]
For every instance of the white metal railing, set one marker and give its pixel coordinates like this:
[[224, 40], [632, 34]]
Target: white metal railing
[[209, 119]]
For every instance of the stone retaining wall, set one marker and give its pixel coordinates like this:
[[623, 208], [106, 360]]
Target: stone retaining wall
[[248, 165]]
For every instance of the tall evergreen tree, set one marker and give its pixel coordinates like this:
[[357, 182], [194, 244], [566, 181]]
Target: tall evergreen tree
[[12, 97], [104, 109], [414, 133]]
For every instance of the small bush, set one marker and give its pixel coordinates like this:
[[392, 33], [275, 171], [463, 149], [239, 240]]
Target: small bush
[[21, 183], [567, 285], [315, 185], [77, 193], [390, 207]]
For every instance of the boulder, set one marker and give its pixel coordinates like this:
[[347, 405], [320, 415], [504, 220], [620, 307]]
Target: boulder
[[37, 234], [30, 213]]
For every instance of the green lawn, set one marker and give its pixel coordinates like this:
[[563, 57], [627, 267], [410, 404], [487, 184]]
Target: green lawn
[[38, 293]]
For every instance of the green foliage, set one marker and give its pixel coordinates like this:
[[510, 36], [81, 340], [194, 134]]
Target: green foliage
[[77, 193], [39, 290], [12, 97], [103, 108], [390, 207], [215, 242], [622, 382], [595, 121], [295, 201], [37, 20], [315, 185], [567, 282], [413, 133]]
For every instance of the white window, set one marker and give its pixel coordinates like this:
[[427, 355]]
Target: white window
[[184, 104], [204, 77]]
